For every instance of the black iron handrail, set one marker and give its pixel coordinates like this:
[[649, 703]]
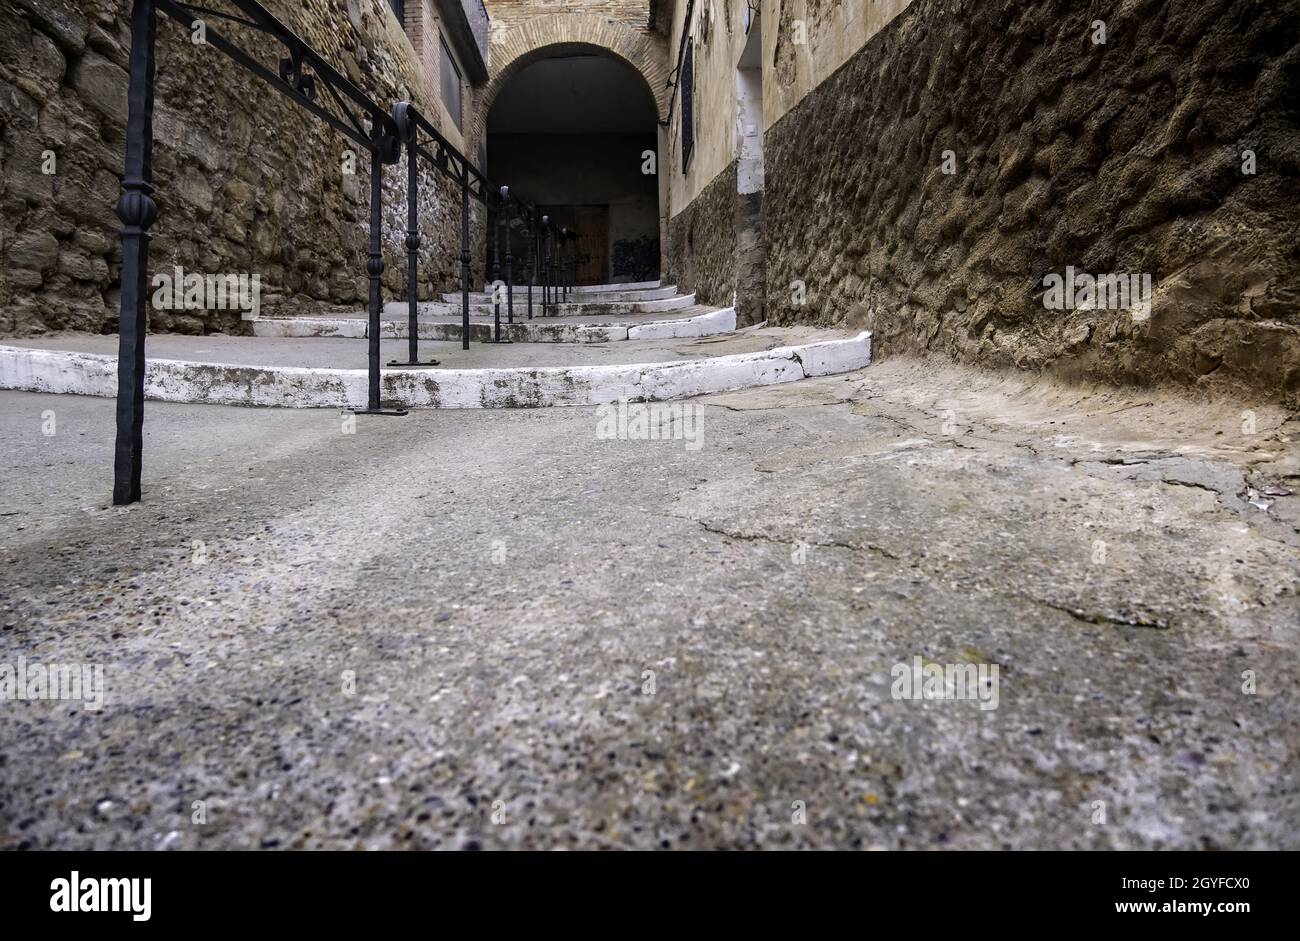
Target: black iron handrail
[[302, 73], [423, 141]]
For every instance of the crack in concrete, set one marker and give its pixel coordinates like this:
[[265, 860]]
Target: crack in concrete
[[719, 530], [1087, 617]]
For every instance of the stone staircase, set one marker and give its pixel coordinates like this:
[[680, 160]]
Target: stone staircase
[[672, 348], [589, 314]]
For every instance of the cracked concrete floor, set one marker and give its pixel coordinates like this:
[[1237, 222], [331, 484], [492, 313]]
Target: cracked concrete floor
[[492, 629]]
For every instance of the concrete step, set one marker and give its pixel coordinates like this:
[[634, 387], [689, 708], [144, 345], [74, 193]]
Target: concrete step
[[485, 308], [676, 302], [587, 297], [697, 321], [193, 371], [605, 288]]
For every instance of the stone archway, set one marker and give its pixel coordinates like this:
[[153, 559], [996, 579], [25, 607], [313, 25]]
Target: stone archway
[[514, 48]]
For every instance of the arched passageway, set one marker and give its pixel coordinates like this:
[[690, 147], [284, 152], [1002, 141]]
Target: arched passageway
[[574, 131]]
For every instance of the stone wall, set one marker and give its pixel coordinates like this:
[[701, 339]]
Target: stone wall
[[247, 181], [1122, 157], [807, 40], [508, 13], [701, 251]]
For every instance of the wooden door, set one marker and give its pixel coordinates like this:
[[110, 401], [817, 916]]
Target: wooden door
[[592, 223]]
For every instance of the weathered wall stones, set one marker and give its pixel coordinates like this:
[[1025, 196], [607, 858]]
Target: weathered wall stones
[[702, 243], [247, 181], [1126, 156]]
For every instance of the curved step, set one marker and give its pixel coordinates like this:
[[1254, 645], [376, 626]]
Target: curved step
[[63, 371], [710, 323], [677, 302], [605, 297], [599, 288]]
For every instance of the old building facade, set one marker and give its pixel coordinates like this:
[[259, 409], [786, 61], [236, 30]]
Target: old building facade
[[921, 168]]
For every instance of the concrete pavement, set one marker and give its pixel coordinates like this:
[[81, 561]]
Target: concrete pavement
[[497, 629]]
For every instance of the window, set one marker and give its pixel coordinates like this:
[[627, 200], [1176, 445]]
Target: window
[[688, 103], [399, 10], [449, 79]]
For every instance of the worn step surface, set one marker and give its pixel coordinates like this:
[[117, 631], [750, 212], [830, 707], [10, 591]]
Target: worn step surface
[[520, 293], [695, 321], [581, 307], [604, 288], [318, 373]]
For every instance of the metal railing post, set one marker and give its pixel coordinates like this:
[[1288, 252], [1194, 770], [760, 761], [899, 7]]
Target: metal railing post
[[464, 258], [559, 265], [532, 263], [375, 269], [375, 266], [406, 128], [510, 275], [137, 211], [545, 238], [496, 268], [568, 262]]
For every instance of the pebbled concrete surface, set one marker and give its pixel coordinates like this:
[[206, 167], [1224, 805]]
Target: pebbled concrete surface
[[500, 584]]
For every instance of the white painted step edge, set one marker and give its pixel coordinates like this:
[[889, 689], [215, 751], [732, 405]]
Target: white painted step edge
[[95, 374], [702, 325], [455, 298], [535, 331], [677, 302], [598, 288]]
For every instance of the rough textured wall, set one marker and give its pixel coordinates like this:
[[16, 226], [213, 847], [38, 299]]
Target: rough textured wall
[[507, 13], [702, 243], [247, 182], [806, 40], [717, 38], [1122, 157], [751, 259]]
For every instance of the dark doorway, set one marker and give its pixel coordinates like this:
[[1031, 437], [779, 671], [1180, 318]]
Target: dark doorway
[[592, 225], [576, 134]]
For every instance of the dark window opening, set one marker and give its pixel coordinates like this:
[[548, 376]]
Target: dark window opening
[[449, 80], [687, 80], [399, 10]]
